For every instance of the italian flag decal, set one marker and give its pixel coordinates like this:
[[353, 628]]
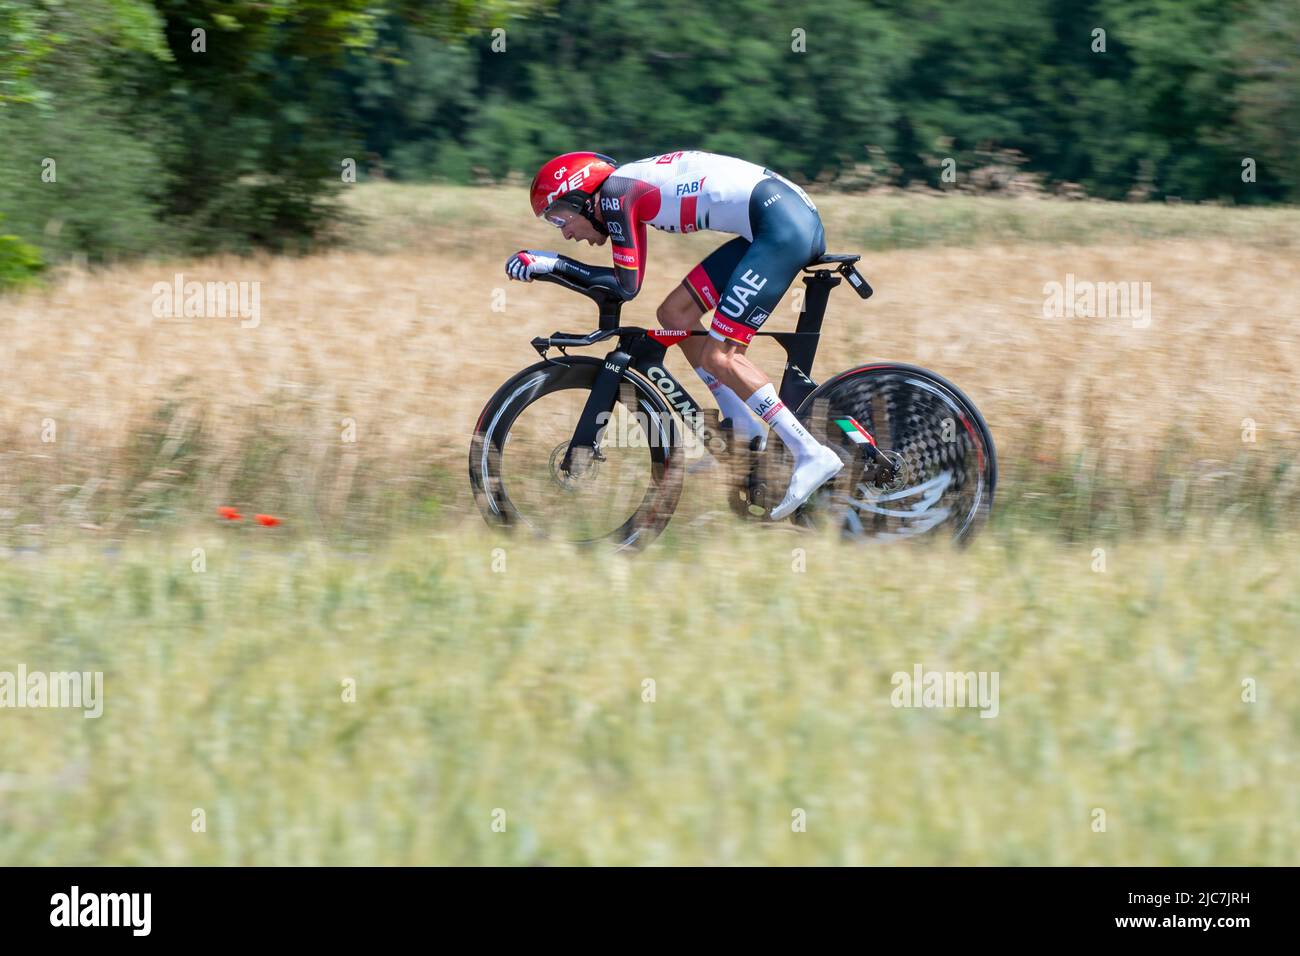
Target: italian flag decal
[[855, 432]]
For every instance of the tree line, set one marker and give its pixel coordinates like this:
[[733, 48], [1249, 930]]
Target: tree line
[[138, 126]]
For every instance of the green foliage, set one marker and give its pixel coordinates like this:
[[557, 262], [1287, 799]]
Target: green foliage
[[79, 181], [186, 124], [80, 167], [467, 692], [136, 26], [205, 124], [410, 97], [886, 91], [19, 261], [24, 44], [437, 108], [1267, 101]]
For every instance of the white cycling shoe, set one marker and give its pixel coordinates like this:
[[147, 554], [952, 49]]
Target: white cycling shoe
[[807, 478]]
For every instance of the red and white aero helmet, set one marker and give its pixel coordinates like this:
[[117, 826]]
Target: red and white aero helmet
[[573, 175]]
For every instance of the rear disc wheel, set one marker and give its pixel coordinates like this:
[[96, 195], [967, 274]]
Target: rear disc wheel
[[934, 467]]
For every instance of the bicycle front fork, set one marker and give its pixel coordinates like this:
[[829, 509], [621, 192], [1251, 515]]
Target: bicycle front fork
[[595, 415]]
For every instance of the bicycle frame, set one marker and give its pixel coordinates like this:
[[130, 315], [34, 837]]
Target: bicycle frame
[[644, 351]]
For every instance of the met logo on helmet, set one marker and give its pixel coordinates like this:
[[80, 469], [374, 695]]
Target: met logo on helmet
[[575, 182], [570, 172]]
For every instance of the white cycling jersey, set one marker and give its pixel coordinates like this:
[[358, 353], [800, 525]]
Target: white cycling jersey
[[685, 191], [682, 191]]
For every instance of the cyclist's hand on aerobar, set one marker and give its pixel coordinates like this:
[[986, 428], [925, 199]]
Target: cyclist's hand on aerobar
[[527, 263]]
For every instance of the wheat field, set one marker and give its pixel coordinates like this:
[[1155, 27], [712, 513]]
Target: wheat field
[[380, 680], [351, 402]]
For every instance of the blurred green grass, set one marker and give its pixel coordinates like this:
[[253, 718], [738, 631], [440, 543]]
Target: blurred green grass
[[521, 688]]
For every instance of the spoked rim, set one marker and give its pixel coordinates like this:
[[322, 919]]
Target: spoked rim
[[613, 498]]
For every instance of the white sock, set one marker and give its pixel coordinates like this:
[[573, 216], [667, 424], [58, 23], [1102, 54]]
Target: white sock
[[744, 425], [765, 404]]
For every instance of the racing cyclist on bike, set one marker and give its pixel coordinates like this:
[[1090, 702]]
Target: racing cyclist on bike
[[588, 196]]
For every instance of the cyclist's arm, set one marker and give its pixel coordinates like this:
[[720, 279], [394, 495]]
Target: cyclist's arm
[[593, 276], [626, 205], [629, 257], [624, 280]]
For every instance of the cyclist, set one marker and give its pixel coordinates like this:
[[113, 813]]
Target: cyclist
[[589, 197]]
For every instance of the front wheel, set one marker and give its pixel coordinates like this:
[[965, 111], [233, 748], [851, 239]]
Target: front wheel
[[931, 470], [623, 496]]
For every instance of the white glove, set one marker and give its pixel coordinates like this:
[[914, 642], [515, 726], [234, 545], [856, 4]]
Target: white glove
[[526, 263]]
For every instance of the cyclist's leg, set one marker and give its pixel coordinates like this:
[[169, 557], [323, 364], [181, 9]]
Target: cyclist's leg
[[814, 463], [788, 235], [682, 310], [747, 300], [700, 288]]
